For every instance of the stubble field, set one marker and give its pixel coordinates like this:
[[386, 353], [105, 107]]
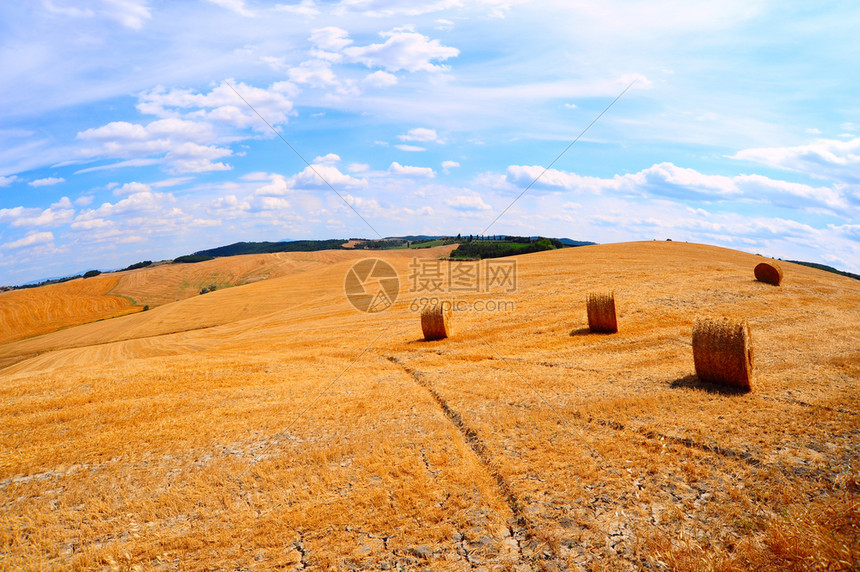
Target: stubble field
[[272, 426]]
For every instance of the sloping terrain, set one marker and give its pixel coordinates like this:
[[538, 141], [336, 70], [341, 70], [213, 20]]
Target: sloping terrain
[[162, 284], [271, 425], [33, 311]]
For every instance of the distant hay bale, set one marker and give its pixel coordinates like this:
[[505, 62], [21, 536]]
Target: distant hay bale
[[769, 272], [436, 322], [601, 313], [722, 352]]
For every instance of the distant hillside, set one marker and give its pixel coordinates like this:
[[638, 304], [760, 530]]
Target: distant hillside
[[571, 242], [238, 248], [826, 268], [498, 248]]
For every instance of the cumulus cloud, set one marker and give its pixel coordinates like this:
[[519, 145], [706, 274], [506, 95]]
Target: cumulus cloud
[[824, 158], [666, 180], [6, 181], [132, 188], [421, 134], [410, 148], [315, 73], [317, 175], [59, 213], [47, 182], [91, 224], [330, 39], [403, 49], [448, 165], [178, 142], [467, 203], [380, 78], [222, 105], [237, 6], [409, 171], [229, 206], [138, 204], [304, 8], [32, 239], [327, 159]]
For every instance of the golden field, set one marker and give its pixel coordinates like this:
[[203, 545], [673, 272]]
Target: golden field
[[272, 426]]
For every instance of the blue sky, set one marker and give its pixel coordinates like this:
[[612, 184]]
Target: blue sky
[[123, 140]]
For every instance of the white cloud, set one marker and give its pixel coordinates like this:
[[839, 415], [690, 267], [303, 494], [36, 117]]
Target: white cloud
[[222, 104], [91, 224], [388, 9], [129, 13], [315, 73], [403, 49], [304, 8], [63, 203], [59, 213], [46, 182], [666, 180], [138, 204], [132, 188], [448, 165], [330, 38], [32, 239], [275, 185], [328, 159], [317, 175], [421, 134], [467, 203], [823, 158], [406, 170], [172, 182], [410, 148], [237, 6], [6, 181], [365, 205], [380, 78], [229, 206], [178, 142], [271, 203]]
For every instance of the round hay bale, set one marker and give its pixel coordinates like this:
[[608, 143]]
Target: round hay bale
[[722, 352], [436, 322], [601, 313], [769, 272]]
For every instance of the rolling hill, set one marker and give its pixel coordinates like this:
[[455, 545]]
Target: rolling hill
[[271, 425]]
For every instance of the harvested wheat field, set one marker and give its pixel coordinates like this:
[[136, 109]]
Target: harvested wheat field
[[272, 426], [34, 311]]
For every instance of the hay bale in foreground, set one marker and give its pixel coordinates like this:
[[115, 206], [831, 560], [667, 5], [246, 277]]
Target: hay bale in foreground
[[722, 352], [601, 313], [436, 322], [769, 272]]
